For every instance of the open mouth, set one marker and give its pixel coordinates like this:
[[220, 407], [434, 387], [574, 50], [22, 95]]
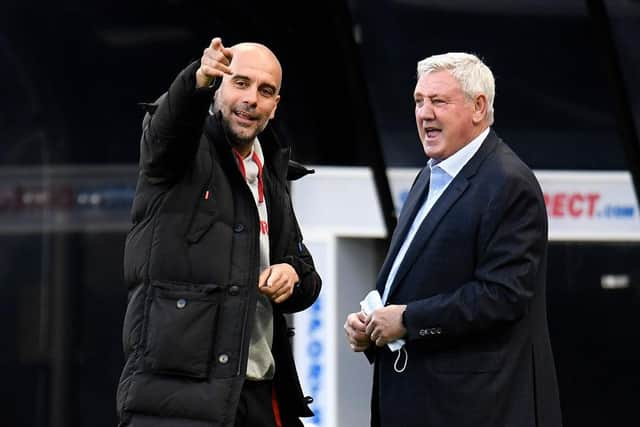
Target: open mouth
[[432, 132], [244, 116]]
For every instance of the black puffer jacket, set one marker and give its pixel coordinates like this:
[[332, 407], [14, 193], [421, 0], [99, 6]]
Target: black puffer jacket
[[191, 265]]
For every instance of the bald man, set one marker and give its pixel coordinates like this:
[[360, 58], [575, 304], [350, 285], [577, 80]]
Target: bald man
[[214, 258]]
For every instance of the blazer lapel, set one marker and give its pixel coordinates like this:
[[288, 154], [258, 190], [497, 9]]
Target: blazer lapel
[[435, 215], [411, 206], [439, 210]]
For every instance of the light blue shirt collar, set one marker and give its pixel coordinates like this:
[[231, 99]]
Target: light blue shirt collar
[[453, 164]]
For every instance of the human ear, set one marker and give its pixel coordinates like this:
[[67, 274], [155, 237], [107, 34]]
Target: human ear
[[479, 109], [273, 112]]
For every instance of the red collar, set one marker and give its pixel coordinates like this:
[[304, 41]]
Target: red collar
[[243, 171]]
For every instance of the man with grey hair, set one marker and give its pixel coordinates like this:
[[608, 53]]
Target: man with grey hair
[[463, 284]]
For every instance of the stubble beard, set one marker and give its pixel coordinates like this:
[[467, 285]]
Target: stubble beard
[[238, 140], [234, 133]]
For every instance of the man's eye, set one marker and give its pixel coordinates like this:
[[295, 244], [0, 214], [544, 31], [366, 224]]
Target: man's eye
[[268, 92]]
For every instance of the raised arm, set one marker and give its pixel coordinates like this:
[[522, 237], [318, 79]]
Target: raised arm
[[173, 124]]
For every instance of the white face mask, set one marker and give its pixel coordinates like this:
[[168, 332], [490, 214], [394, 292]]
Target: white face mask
[[372, 302]]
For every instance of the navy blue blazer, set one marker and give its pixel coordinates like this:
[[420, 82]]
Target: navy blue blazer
[[473, 280]]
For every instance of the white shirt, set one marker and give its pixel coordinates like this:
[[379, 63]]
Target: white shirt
[[451, 166], [261, 364]]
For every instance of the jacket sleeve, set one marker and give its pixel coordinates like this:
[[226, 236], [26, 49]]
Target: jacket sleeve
[[306, 291], [172, 128], [508, 272]]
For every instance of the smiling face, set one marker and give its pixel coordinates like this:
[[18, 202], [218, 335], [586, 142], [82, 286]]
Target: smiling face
[[446, 119], [249, 96]]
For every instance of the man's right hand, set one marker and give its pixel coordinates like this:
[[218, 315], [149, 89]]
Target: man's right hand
[[355, 328], [214, 63]]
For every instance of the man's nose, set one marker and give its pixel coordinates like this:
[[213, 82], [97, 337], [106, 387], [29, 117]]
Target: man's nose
[[250, 96], [425, 111]]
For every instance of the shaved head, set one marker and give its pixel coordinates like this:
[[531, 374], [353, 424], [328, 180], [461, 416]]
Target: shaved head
[[263, 52]]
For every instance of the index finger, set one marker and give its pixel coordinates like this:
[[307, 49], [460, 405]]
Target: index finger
[[370, 328], [216, 44], [363, 317], [355, 323]]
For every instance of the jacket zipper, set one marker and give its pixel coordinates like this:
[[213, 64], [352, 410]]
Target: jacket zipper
[[256, 255]]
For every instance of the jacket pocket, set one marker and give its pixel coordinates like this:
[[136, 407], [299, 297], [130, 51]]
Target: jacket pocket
[[205, 213], [472, 362], [181, 326]]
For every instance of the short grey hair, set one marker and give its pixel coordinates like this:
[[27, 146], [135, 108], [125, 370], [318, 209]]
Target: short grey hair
[[474, 76]]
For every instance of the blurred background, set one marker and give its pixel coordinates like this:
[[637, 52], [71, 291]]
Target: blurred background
[[72, 75]]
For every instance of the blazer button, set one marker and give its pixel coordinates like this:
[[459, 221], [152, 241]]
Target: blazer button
[[234, 290], [223, 359], [308, 400], [181, 303], [238, 228]]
